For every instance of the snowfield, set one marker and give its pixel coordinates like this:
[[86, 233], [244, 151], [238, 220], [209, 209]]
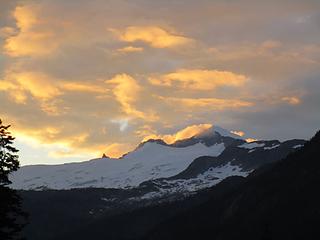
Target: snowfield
[[151, 161], [252, 145]]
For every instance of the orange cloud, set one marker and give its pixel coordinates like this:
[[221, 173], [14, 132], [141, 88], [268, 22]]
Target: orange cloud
[[185, 133], [48, 135], [155, 36], [271, 44], [251, 140], [239, 133], [40, 85], [73, 145], [46, 90], [198, 79], [145, 130], [49, 138], [33, 38], [7, 32], [16, 93], [83, 87], [25, 16], [117, 150], [291, 100], [190, 104], [44, 87], [130, 49], [126, 90]]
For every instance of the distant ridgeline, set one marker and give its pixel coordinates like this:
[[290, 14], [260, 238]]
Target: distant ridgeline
[[184, 166], [229, 184]]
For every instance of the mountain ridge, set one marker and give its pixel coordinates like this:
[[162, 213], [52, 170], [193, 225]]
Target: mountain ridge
[[237, 207], [160, 165]]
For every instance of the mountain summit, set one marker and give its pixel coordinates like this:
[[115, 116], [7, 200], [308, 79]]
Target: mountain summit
[[186, 165]]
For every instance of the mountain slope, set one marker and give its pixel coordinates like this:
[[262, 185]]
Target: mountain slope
[[90, 213], [150, 161], [280, 201], [162, 164]]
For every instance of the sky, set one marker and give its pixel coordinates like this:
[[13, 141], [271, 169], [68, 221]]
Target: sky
[[81, 78]]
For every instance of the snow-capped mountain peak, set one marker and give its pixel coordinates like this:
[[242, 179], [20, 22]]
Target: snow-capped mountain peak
[[198, 162], [150, 161], [216, 129]]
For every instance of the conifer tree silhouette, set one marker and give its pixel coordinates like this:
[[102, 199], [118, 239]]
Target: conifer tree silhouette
[[12, 218]]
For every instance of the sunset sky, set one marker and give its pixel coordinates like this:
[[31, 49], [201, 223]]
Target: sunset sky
[[80, 78]]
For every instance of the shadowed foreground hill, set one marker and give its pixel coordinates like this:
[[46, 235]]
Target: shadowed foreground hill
[[281, 201]]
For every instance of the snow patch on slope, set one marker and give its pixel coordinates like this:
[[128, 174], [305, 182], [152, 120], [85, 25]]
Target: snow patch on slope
[[252, 145], [272, 147], [298, 146], [205, 180]]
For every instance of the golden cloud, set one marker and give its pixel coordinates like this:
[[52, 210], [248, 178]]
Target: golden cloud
[[198, 79], [74, 145], [44, 87], [33, 38], [83, 87], [117, 150], [145, 130], [25, 16], [46, 90], [185, 133], [291, 100], [16, 93], [40, 85], [49, 138], [7, 32], [6, 85], [126, 90], [239, 133], [249, 140], [190, 104], [271, 44], [155, 36], [49, 135], [130, 49]]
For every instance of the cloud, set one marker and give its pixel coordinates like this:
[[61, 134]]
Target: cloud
[[44, 140], [197, 79], [251, 140], [33, 38], [126, 90], [270, 44], [21, 84], [44, 87], [6, 32], [130, 49], [191, 104], [123, 123], [46, 90], [155, 36], [185, 133], [38, 84], [291, 100], [117, 150], [83, 87], [171, 64], [239, 133], [50, 134]]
